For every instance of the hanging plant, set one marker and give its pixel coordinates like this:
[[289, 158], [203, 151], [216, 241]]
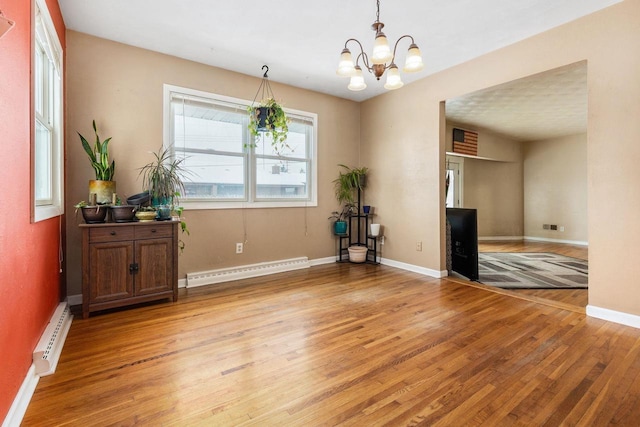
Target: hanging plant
[[268, 117]]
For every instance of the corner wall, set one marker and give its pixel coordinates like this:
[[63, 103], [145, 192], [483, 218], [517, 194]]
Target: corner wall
[[121, 87], [403, 132], [555, 188], [30, 283]]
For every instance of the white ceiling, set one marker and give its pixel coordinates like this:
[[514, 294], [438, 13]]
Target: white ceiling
[[543, 106], [301, 41]]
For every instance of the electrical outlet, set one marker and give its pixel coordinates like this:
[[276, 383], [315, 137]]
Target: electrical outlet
[[239, 248], [562, 228], [419, 246], [382, 240]]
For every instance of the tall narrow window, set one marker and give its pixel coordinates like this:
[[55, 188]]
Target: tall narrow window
[[47, 105], [227, 166]]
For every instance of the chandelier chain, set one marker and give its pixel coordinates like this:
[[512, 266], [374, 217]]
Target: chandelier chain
[[378, 11]]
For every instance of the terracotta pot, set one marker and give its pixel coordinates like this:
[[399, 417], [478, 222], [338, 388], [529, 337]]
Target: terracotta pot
[[103, 190]]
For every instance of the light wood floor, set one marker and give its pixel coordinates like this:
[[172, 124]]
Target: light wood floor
[[574, 297], [343, 344]]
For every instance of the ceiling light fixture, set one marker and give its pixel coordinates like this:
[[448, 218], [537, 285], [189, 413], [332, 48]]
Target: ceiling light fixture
[[380, 56]]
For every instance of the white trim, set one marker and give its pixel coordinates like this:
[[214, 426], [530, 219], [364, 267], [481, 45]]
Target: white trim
[[414, 268], [500, 238], [45, 359], [49, 348], [544, 239], [56, 208], [614, 316], [22, 399], [322, 261], [182, 283], [245, 271], [195, 204]]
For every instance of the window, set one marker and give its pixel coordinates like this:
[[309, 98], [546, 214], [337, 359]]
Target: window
[[47, 104], [228, 167]]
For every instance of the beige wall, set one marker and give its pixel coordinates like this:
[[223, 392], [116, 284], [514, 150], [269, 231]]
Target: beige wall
[[493, 187], [121, 88], [555, 187], [405, 130]]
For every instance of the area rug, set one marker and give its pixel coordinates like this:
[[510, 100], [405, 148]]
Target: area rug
[[531, 270]]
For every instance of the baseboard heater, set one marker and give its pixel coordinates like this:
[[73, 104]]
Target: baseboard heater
[[47, 352], [245, 271]]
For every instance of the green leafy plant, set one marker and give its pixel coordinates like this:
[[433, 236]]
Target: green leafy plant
[[163, 178], [347, 210], [99, 156], [348, 182], [276, 123]]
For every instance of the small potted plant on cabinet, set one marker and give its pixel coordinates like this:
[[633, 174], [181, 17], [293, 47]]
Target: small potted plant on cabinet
[[103, 186], [163, 179]]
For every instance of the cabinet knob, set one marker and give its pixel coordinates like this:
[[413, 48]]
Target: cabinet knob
[[113, 233], [153, 230]]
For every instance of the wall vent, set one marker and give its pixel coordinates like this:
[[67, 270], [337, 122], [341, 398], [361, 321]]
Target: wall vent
[[245, 271]]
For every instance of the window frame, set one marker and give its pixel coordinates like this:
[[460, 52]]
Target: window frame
[[251, 201], [51, 116]]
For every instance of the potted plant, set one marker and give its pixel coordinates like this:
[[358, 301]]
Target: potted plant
[[103, 186], [269, 117], [163, 179], [348, 182], [340, 218], [92, 214]]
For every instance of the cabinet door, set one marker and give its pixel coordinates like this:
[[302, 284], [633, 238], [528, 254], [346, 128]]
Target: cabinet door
[[109, 276], [155, 266]]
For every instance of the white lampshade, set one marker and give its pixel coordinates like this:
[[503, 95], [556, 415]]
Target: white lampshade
[[381, 51], [413, 62], [345, 66], [393, 78], [357, 80]]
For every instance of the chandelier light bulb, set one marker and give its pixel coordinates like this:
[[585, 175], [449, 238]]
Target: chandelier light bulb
[[413, 62], [393, 78], [381, 50], [357, 80], [346, 67]]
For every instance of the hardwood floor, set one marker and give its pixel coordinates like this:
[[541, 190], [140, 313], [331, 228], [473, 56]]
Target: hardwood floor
[[343, 344], [574, 297]]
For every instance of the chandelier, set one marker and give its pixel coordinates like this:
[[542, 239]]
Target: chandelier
[[380, 57]]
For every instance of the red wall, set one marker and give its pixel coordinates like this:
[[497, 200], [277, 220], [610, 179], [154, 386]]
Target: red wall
[[30, 282]]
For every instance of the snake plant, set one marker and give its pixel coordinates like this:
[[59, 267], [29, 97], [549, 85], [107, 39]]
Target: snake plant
[[99, 156]]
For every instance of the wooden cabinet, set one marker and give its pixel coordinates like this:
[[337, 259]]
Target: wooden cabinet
[[128, 263]]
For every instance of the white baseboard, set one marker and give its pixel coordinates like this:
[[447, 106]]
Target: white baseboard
[[500, 238], [614, 316], [544, 239], [414, 268], [47, 352], [245, 271], [322, 261], [182, 283], [22, 399], [45, 359]]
